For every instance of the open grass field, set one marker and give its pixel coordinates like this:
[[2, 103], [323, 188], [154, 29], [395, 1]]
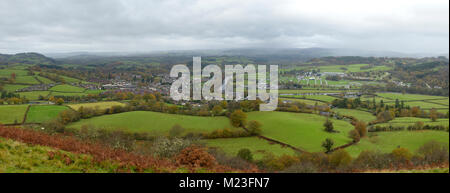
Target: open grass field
[[33, 95], [352, 68], [153, 122], [67, 88], [407, 121], [308, 102], [26, 80], [11, 113], [13, 87], [43, 113], [408, 97], [388, 141], [56, 94], [258, 147], [7, 72], [313, 91], [100, 105], [93, 91], [360, 115], [16, 157], [300, 130], [323, 98], [44, 80], [422, 104]]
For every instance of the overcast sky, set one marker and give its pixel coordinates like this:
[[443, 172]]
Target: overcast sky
[[412, 26]]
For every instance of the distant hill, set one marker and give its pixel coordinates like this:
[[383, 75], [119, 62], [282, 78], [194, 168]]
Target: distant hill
[[26, 58]]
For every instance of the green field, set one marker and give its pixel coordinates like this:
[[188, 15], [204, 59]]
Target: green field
[[407, 97], [308, 102], [33, 95], [360, 115], [26, 80], [300, 130], [312, 91], [422, 104], [100, 105], [13, 87], [44, 80], [323, 98], [259, 147], [67, 88], [11, 113], [146, 121], [68, 94], [7, 72], [43, 113], [407, 121], [388, 141]]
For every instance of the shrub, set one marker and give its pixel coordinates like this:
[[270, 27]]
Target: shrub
[[340, 158], [231, 161], [254, 127], [328, 145], [434, 152], [245, 154], [401, 155], [238, 118], [176, 131], [195, 156], [361, 128], [354, 134], [164, 147], [328, 126]]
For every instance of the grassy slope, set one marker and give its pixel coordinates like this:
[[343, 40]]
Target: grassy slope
[[67, 88], [16, 157], [406, 121], [146, 121], [360, 115], [33, 95], [10, 113], [300, 130], [100, 105], [388, 141]]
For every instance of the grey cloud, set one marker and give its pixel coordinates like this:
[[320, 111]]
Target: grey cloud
[[133, 25]]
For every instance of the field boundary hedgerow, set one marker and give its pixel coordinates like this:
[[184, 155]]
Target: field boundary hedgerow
[[270, 140], [26, 114]]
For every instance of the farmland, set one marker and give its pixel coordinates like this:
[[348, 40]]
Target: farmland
[[10, 114], [360, 115], [99, 105], [153, 122], [388, 141], [67, 88], [300, 130], [43, 113]]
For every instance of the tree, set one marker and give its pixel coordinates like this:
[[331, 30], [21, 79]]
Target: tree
[[433, 115], [254, 127], [245, 154], [328, 145], [217, 110], [361, 128], [354, 134], [340, 158], [328, 126], [238, 118], [59, 101]]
